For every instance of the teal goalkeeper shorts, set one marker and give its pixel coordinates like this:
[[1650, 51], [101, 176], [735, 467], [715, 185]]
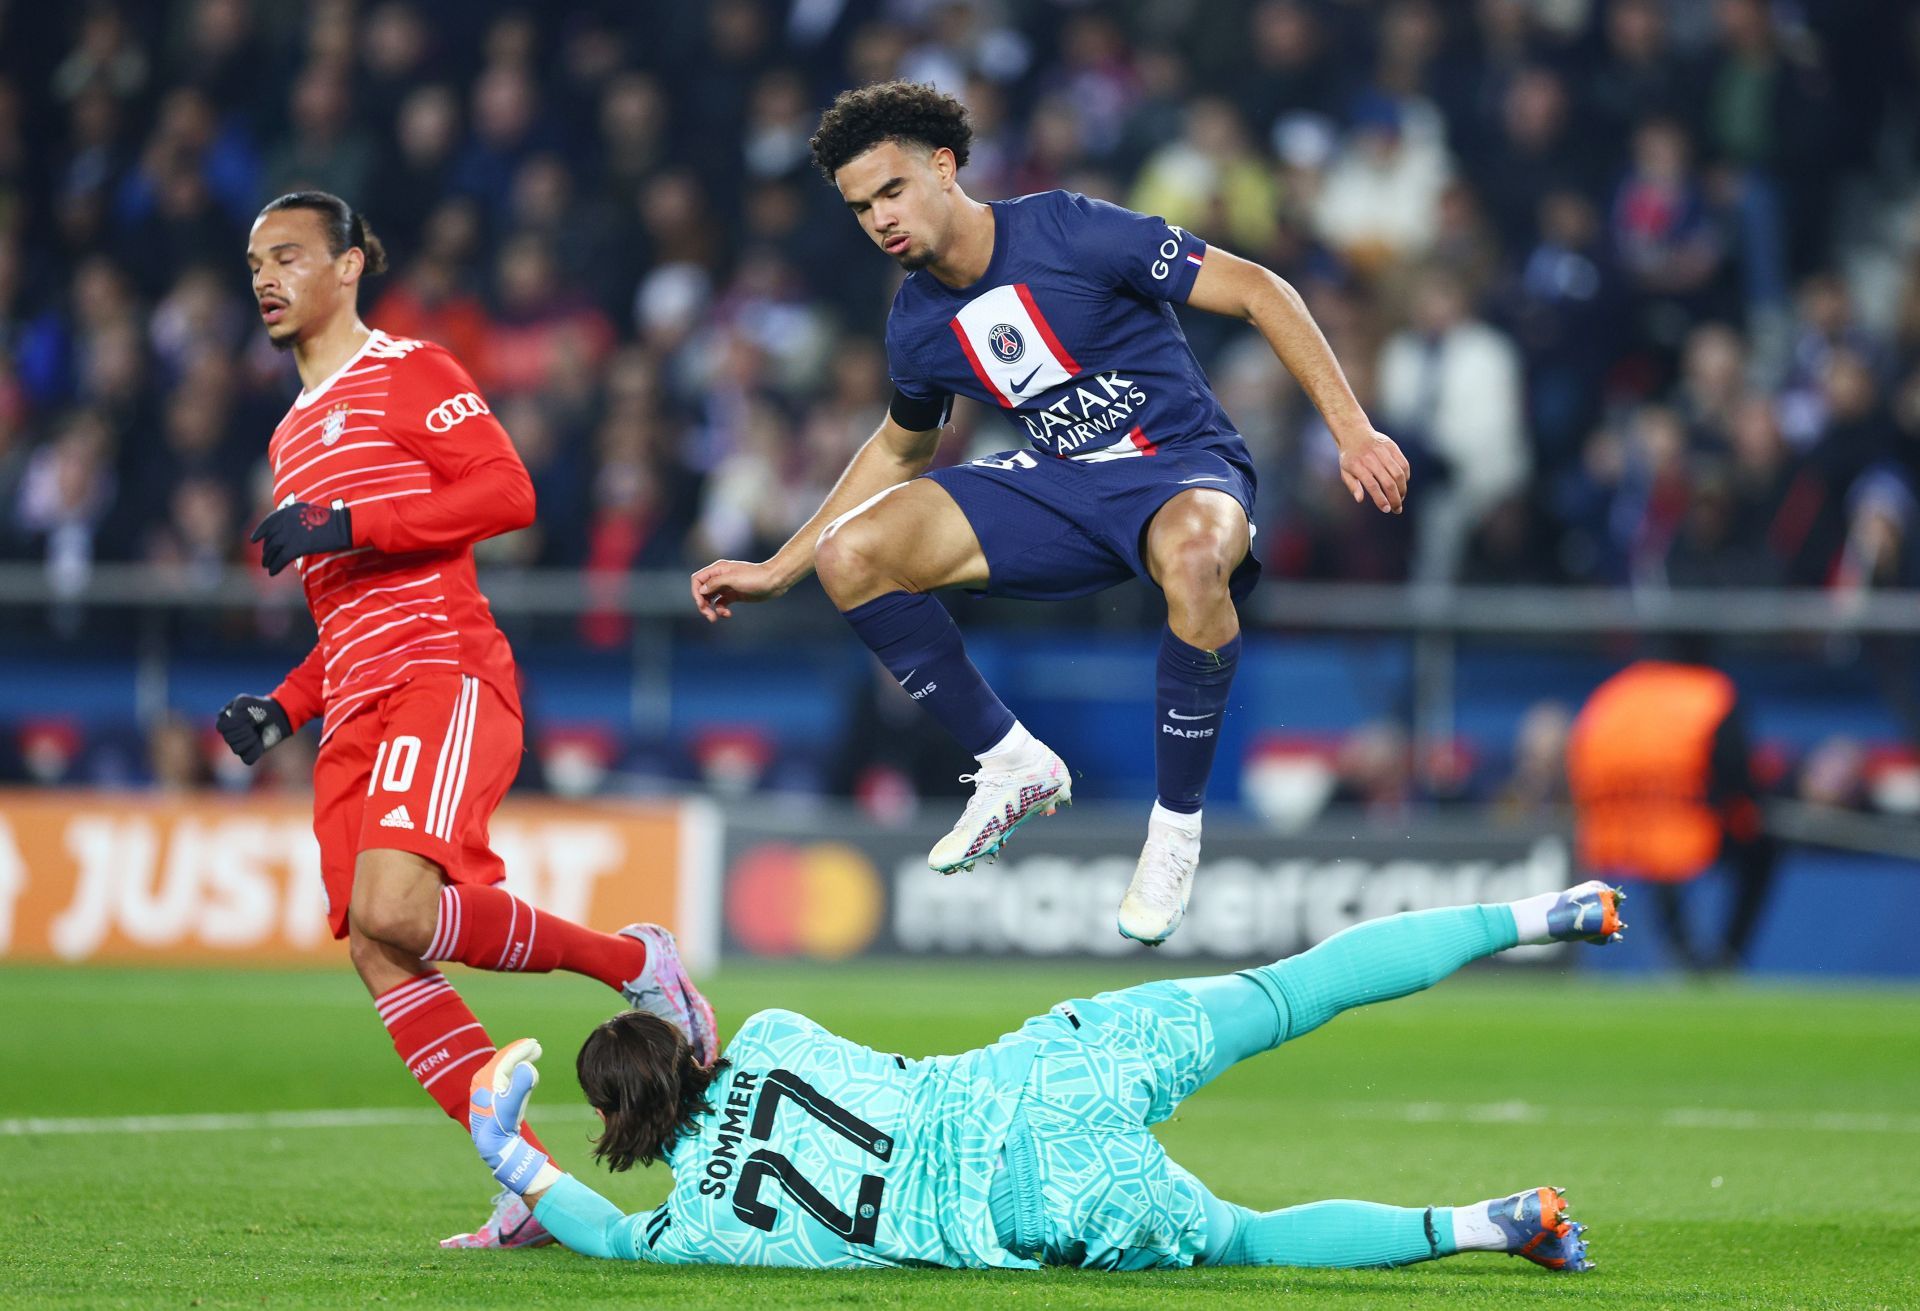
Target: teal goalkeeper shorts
[[1085, 1182]]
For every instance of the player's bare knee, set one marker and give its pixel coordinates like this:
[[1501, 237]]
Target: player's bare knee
[[370, 958], [1195, 565], [396, 898], [846, 561]]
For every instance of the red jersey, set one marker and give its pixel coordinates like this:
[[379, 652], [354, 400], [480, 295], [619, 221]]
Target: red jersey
[[399, 435]]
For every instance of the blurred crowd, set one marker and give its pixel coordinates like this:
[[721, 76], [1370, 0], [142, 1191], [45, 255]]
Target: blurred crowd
[[1636, 282]]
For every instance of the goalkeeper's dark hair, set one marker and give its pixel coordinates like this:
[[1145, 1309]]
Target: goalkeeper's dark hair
[[346, 227], [861, 119], [638, 1071]]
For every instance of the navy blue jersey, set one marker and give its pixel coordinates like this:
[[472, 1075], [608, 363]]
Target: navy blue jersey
[[1069, 331]]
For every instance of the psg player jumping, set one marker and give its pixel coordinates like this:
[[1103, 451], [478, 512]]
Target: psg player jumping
[[386, 470], [1056, 309]]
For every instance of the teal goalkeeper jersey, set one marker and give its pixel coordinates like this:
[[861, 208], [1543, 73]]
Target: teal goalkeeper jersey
[[820, 1152]]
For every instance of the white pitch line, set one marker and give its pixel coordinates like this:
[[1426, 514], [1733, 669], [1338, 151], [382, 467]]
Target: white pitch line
[[353, 1117], [1514, 1112], [1672, 1117]]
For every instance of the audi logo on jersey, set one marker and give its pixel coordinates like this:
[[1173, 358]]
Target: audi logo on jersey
[[455, 410]]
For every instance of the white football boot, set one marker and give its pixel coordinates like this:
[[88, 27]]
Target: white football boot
[[1003, 799], [1156, 900]]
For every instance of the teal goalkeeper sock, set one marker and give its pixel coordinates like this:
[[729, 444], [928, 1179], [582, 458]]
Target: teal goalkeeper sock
[[1344, 1235], [1380, 960]]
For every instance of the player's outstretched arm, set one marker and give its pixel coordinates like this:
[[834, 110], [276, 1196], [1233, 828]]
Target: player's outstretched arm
[[589, 1224], [890, 457], [1371, 464], [572, 1212]]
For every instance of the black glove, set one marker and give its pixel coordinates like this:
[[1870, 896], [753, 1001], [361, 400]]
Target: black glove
[[303, 529], [253, 726]]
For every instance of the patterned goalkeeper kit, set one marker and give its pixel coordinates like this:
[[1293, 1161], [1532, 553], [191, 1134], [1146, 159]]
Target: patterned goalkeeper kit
[[1035, 1150]]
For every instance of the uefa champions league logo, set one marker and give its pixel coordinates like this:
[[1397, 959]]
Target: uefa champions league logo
[[1007, 343]]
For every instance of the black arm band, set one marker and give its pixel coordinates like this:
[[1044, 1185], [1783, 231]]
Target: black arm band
[[916, 415]]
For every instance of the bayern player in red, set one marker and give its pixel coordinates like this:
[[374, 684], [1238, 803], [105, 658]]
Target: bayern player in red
[[386, 471]]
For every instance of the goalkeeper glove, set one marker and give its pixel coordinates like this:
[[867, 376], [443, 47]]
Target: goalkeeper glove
[[302, 528], [497, 1101], [253, 726]]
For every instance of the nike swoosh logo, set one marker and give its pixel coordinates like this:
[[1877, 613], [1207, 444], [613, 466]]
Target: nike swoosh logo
[[909, 677], [1175, 714], [1021, 386], [1204, 478]]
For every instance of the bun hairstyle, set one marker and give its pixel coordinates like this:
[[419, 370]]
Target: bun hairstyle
[[346, 227]]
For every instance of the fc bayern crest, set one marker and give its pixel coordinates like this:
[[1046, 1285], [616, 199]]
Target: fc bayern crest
[[1007, 343], [334, 424]]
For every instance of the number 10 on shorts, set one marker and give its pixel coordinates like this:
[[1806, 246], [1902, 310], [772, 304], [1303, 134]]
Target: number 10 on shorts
[[399, 757]]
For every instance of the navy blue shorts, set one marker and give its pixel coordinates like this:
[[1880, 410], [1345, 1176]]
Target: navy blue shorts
[[1054, 529]]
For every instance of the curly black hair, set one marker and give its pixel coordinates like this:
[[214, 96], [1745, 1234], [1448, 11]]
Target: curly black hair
[[861, 119]]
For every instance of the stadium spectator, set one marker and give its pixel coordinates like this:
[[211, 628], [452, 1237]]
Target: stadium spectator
[[1713, 369], [219, 49], [1532, 155], [1771, 508], [430, 300], [66, 494], [396, 62], [1833, 774], [540, 321], [1374, 770], [1211, 180], [1539, 771], [1639, 73], [1288, 70], [176, 760], [506, 130], [1379, 202], [190, 136], [1565, 307], [105, 54], [1824, 322], [1450, 386], [415, 169], [324, 149], [1665, 232]]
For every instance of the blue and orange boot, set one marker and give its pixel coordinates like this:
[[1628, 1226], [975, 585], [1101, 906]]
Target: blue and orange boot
[[1589, 912], [1538, 1228]]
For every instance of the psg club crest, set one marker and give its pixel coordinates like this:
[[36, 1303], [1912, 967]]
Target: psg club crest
[[1006, 342], [334, 424]]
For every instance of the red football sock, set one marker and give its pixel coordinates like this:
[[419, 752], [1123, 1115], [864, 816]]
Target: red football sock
[[491, 929], [441, 1042]]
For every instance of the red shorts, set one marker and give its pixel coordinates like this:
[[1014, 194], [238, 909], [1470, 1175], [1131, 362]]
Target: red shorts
[[422, 771]]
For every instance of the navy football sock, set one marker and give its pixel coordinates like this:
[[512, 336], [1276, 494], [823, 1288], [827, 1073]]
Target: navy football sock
[[917, 641], [1193, 686]]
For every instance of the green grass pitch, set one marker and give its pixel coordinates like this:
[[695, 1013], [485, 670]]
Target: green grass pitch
[[1730, 1146]]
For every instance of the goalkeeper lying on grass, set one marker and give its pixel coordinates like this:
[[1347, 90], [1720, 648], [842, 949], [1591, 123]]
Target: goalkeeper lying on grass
[[800, 1148]]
